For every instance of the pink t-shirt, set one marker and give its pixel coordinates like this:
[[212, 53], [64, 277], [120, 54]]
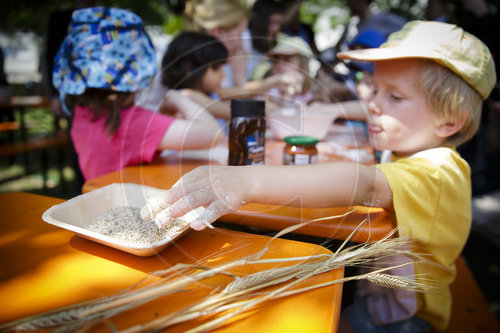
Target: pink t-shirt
[[135, 141]]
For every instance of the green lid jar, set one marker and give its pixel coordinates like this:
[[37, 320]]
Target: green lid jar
[[300, 150]]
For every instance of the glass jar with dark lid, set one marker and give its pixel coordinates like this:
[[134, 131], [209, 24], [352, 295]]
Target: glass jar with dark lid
[[247, 130], [300, 150]]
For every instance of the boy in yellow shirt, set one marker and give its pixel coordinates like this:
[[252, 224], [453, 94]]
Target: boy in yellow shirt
[[429, 83]]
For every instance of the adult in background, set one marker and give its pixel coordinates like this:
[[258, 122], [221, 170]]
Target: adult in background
[[364, 17], [260, 37], [225, 20], [222, 19], [293, 26]]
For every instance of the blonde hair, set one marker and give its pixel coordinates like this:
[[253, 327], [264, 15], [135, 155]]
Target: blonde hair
[[205, 15], [449, 97]]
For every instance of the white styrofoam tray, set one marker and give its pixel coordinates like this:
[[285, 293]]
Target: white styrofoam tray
[[79, 212]]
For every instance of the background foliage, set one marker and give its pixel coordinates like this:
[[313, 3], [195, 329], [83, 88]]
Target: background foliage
[[32, 15]]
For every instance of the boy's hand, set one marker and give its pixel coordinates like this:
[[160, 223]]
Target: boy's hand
[[219, 188]]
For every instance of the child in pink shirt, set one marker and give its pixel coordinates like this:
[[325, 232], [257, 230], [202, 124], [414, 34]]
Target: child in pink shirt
[[105, 58]]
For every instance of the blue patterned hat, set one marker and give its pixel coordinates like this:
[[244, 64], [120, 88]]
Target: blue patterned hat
[[105, 48]]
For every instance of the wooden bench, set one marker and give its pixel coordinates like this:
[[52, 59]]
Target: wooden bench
[[17, 148], [9, 126], [59, 140], [470, 310]]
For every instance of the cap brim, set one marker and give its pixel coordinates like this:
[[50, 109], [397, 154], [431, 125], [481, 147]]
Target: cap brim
[[379, 54], [285, 50]]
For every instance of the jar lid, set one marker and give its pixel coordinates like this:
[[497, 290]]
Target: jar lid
[[247, 107], [301, 140]]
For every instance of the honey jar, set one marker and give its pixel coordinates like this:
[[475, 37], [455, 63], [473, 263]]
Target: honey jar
[[300, 150]]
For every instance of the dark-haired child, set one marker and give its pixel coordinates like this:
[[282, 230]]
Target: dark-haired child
[[193, 64]]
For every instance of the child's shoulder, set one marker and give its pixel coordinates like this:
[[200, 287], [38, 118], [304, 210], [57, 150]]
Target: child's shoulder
[[439, 159], [438, 156]]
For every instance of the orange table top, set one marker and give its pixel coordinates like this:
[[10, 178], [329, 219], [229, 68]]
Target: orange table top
[[43, 268]]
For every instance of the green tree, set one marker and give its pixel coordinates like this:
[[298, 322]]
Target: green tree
[[409, 9], [32, 15]]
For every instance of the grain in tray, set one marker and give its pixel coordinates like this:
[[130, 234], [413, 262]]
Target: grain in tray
[[125, 224]]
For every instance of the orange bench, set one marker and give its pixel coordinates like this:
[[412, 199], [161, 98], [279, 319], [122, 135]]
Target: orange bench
[[9, 126], [470, 311]]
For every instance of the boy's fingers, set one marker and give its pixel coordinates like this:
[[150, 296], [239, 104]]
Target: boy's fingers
[[153, 206], [184, 205], [200, 224], [166, 199], [191, 191], [215, 210]]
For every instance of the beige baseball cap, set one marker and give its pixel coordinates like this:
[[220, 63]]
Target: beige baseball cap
[[447, 44], [290, 45]]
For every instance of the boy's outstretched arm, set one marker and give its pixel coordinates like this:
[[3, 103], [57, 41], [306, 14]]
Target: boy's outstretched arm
[[224, 189]]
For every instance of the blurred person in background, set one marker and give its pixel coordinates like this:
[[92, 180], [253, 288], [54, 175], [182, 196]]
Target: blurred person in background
[[293, 26], [363, 17], [227, 20], [193, 65], [265, 22], [291, 55]]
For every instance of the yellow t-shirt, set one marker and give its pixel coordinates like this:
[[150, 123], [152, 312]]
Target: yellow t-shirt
[[432, 203]]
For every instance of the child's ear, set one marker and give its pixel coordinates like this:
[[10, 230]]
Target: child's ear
[[216, 32], [449, 128]]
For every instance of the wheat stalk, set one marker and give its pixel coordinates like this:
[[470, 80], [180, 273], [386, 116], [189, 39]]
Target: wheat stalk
[[238, 296], [279, 275], [402, 282], [78, 312], [214, 305], [389, 281]]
